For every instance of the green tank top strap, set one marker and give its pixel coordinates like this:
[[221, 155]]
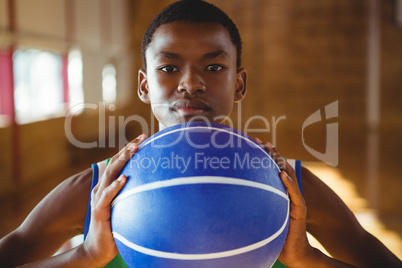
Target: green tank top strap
[[117, 262], [278, 264]]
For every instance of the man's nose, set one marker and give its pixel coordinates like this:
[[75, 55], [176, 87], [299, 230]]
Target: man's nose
[[192, 82]]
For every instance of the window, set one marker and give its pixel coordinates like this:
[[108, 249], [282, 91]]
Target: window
[[76, 93], [109, 83], [38, 87]]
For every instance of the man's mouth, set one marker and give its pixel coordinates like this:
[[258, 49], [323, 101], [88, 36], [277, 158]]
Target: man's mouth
[[190, 107]]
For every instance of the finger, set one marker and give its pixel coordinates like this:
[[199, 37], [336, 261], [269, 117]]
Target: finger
[[278, 158], [127, 151], [259, 141], [269, 148], [94, 190], [281, 161], [110, 192], [299, 208], [118, 161]]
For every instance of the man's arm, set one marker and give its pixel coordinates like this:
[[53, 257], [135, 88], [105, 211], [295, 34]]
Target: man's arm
[[332, 223], [57, 218], [61, 215], [99, 248]]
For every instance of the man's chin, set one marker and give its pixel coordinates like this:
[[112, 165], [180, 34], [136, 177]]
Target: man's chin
[[189, 119]]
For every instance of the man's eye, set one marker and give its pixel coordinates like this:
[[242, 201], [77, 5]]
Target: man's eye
[[169, 69], [214, 68]]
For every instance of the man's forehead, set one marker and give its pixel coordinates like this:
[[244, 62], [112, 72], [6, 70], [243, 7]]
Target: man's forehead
[[207, 28], [209, 39], [209, 55]]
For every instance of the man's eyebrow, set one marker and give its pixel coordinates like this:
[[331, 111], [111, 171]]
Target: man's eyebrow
[[211, 55], [169, 55], [216, 54]]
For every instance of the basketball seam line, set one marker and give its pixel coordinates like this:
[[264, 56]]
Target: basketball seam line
[[206, 256], [198, 180], [218, 129]]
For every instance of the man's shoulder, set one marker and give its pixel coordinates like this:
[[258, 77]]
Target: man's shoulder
[[69, 200], [315, 191], [310, 181], [77, 182]]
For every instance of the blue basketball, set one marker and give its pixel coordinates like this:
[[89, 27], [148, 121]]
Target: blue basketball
[[201, 195]]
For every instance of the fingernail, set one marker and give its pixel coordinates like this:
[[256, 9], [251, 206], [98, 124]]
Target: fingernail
[[132, 146], [137, 139], [120, 179], [287, 176], [269, 145], [258, 140]]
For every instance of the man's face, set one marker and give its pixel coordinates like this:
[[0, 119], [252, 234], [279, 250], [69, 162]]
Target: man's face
[[191, 74]]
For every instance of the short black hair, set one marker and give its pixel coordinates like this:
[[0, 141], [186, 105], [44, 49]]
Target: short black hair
[[192, 11]]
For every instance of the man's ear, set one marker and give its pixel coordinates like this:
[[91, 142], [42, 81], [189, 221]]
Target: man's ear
[[241, 85], [142, 90]]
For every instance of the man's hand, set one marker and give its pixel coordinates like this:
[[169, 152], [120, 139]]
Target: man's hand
[[99, 243], [296, 247], [297, 252]]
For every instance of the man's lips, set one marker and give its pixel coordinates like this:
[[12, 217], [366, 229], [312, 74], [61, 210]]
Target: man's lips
[[190, 106]]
